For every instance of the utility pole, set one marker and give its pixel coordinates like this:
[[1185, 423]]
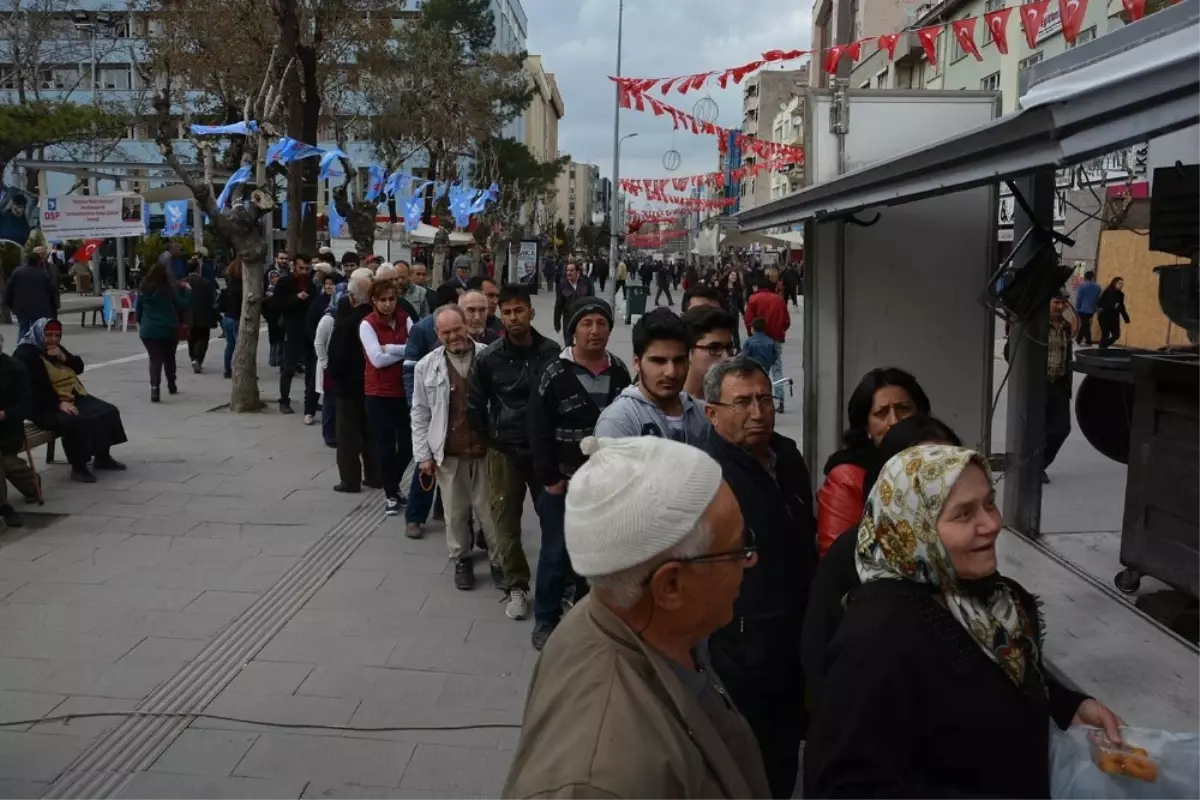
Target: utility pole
[[616, 171]]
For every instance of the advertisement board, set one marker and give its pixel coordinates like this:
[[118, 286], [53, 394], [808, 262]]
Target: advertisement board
[[527, 261], [83, 217]]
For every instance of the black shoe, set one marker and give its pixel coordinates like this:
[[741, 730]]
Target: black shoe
[[347, 488], [82, 475], [108, 463], [1045, 477], [541, 632], [285, 407], [228, 374], [11, 518], [172, 388], [464, 574], [196, 367], [155, 395]]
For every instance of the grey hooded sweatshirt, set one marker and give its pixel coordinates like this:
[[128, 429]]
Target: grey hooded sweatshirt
[[631, 414]]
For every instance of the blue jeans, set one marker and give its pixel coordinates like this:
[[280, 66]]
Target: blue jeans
[[554, 572], [329, 418], [230, 326], [777, 370]]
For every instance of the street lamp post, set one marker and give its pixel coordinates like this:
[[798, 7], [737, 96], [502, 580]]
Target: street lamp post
[[616, 171]]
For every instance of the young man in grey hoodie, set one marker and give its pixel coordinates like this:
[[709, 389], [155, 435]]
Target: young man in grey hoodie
[[657, 404]]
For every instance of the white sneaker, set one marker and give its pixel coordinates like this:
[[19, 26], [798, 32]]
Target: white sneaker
[[308, 419], [518, 605], [392, 507]]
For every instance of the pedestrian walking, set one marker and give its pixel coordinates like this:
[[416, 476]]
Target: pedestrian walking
[[767, 304], [1110, 310], [201, 316], [30, 294], [290, 301], [573, 287], [160, 307], [1087, 299], [229, 301]]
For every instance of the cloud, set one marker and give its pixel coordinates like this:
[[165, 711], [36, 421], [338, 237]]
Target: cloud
[[578, 43]]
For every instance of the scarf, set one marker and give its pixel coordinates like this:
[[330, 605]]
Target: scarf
[[36, 335], [898, 540]]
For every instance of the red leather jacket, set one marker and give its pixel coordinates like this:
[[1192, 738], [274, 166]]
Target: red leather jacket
[[839, 503]]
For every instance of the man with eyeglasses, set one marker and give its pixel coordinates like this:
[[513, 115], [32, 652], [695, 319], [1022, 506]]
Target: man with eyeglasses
[[710, 341], [624, 701], [758, 655], [657, 404]]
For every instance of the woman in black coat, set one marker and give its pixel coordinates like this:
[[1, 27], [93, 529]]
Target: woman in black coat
[[88, 426], [935, 684], [1110, 310]]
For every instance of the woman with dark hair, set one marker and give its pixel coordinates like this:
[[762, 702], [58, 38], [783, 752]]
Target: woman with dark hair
[[229, 302], [160, 306], [1110, 310], [835, 575], [882, 398]]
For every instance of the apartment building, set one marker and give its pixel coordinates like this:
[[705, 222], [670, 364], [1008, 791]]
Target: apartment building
[[576, 195], [788, 128], [764, 94], [871, 18]]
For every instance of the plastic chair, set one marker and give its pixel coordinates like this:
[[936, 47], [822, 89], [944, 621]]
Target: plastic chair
[[124, 310]]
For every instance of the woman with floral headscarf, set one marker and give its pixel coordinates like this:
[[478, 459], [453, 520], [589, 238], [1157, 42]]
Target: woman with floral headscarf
[[88, 426], [935, 685]]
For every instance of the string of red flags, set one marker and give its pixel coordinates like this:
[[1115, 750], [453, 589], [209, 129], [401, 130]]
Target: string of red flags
[[650, 241], [1031, 15], [636, 186]]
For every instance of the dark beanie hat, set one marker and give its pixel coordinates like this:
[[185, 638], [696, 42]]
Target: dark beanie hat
[[581, 308]]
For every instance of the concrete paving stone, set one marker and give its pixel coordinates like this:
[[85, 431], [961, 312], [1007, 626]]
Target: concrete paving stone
[[449, 771], [90, 727], [410, 630], [203, 484], [107, 508], [464, 658], [386, 714], [463, 605], [321, 620], [90, 572], [407, 565], [327, 649], [347, 791], [45, 593], [481, 691], [80, 523], [133, 680], [34, 617], [61, 645], [17, 790], [174, 624], [355, 579], [373, 684], [108, 596], [136, 495], [176, 525], [8, 587], [26, 550], [199, 752], [221, 602], [156, 785], [160, 650], [37, 757], [270, 677], [503, 635], [216, 530], [328, 759], [276, 708], [26, 705], [364, 600]]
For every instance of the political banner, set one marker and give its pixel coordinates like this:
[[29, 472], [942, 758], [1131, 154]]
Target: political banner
[[85, 217], [175, 213]]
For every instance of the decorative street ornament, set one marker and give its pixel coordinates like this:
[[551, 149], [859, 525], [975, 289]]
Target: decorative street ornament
[[671, 160], [706, 109]]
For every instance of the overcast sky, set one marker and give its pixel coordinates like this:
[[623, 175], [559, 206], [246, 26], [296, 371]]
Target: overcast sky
[[578, 43]]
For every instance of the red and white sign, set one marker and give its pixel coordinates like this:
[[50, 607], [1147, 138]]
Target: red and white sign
[[82, 217]]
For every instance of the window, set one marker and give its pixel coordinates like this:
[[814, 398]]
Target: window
[[865, 85], [990, 83], [989, 6], [881, 79], [1026, 63], [113, 77], [1085, 35]]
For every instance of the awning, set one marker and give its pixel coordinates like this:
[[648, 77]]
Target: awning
[[1128, 86]]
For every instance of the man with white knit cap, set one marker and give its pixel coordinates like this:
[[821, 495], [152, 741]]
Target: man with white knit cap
[[623, 701]]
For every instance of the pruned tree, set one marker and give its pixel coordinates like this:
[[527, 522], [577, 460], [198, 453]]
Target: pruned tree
[[244, 222]]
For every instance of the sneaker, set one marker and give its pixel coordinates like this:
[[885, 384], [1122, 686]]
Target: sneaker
[[541, 632], [518, 606], [413, 530], [196, 366], [464, 574], [308, 419], [391, 508], [10, 516], [285, 407]]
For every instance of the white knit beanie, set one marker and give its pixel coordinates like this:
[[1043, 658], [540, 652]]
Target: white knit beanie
[[635, 498]]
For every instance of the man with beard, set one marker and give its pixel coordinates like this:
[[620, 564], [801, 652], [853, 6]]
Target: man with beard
[[444, 445], [291, 299], [572, 287], [657, 405], [572, 392], [504, 377]]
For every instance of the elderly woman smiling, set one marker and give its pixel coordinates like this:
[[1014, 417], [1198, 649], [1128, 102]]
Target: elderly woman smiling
[[935, 684]]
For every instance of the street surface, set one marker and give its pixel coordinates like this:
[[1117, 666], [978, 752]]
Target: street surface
[[222, 572]]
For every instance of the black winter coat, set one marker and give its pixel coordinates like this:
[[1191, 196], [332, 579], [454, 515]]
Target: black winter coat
[[30, 294], [562, 414], [202, 309], [347, 361], [14, 402], [504, 378], [43, 401], [912, 707], [293, 312], [230, 300]]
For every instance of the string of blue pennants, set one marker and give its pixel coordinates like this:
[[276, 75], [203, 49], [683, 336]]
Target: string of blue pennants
[[403, 188]]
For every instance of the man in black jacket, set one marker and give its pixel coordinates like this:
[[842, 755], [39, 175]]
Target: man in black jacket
[[758, 654], [571, 393], [14, 405], [347, 365], [201, 313], [504, 377], [292, 297], [30, 294]]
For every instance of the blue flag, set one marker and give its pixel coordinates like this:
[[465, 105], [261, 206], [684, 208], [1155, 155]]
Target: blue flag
[[287, 150], [331, 165], [241, 176], [376, 177], [337, 224], [236, 129], [176, 214], [413, 206]]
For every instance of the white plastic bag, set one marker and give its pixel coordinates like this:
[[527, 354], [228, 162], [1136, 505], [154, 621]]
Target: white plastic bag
[[1075, 776]]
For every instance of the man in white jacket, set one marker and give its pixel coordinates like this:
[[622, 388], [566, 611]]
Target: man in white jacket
[[445, 447]]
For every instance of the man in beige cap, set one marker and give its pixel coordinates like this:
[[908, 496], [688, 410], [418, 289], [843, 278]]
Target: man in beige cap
[[623, 701]]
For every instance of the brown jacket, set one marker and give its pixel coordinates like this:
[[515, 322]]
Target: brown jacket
[[607, 716]]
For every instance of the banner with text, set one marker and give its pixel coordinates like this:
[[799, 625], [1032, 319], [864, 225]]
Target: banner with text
[[83, 217]]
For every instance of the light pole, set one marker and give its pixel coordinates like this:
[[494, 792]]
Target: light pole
[[616, 171]]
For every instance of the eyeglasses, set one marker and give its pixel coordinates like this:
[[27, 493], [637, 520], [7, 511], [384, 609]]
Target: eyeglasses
[[716, 349], [745, 554], [743, 404]]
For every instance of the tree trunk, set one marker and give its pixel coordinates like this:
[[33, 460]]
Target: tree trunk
[[310, 121], [361, 222], [251, 248]]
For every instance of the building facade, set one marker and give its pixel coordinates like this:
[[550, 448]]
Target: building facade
[[576, 195], [871, 18], [763, 95]]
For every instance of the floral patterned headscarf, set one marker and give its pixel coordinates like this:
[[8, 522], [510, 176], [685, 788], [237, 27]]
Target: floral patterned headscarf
[[898, 540]]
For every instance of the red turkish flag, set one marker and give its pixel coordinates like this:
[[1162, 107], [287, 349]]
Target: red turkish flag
[[1032, 15], [832, 56], [964, 32], [928, 37], [1071, 12], [888, 42], [997, 23], [679, 183], [89, 248], [667, 84], [1135, 8], [854, 50]]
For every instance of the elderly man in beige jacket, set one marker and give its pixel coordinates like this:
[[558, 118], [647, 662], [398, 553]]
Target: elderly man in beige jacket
[[623, 701]]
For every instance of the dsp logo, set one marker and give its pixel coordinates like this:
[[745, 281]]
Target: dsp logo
[[51, 216]]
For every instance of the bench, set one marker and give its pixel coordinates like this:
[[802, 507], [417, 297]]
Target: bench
[[36, 437], [95, 310]]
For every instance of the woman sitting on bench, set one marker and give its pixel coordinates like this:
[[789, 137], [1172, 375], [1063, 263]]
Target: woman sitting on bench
[[87, 425]]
